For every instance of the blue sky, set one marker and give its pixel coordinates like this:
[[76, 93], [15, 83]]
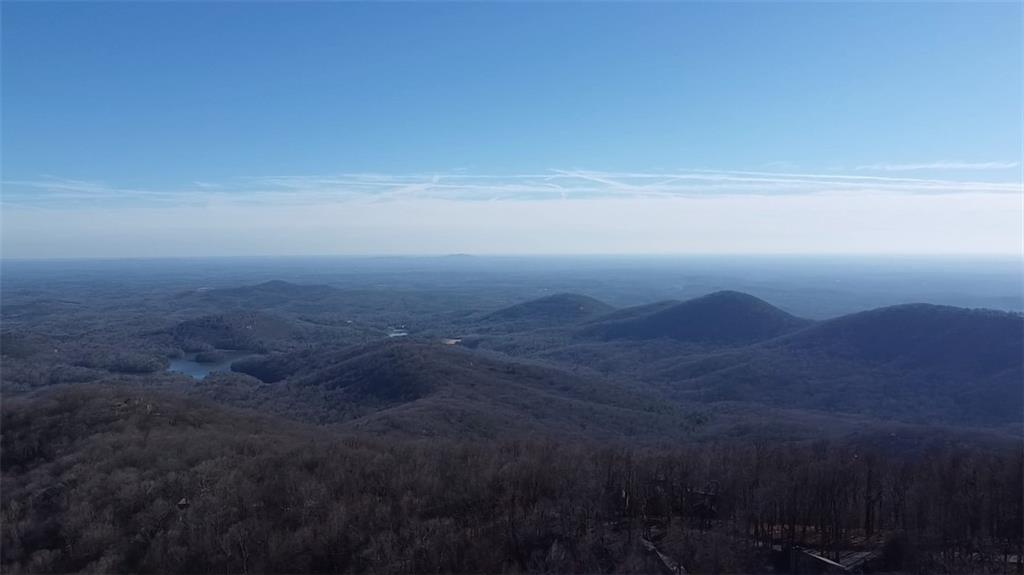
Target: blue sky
[[898, 126]]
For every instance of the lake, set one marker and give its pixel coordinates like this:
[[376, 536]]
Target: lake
[[189, 366]]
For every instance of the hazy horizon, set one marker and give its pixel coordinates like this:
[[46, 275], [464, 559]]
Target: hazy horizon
[[765, 256]]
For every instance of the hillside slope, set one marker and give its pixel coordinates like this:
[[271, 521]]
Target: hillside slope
[[911, 362], [549, 311], [264, 295], [244, 330], [722, 318], [921, 336], [433, 389]]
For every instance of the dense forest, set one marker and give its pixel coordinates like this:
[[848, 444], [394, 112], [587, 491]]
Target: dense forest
[[119, 480]]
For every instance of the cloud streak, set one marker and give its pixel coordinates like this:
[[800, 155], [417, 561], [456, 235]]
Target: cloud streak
[[562, 185], [941, 166]]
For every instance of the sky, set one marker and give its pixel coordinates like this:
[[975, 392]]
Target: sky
[[205, 129]]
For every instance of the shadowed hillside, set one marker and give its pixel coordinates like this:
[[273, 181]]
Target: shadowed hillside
[[253, 331], [918, 362], [724, 317], [552, 310], [434, 389], [637, 311], [921, 336]]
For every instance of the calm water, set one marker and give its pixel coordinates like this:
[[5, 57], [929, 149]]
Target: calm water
[[189, 366]]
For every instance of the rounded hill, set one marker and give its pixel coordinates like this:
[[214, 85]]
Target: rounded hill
[[940, 338], [723, 317], [562, 307]]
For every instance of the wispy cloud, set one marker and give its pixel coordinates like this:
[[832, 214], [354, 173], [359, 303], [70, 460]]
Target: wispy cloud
[[565, 185], [944, 165]]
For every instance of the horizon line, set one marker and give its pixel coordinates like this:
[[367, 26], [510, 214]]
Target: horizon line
[[466, 255]]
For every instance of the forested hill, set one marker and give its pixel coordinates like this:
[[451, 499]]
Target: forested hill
[[723, 318], [242, 330], [916, 362], [553, 310], [940, 339], [267, 294], [429, 388]]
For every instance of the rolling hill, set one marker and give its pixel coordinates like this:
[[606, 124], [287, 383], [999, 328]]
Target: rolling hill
[[921, 336], [918, 362], [550, 311], [267, 294], [720, 318], [418, 388]]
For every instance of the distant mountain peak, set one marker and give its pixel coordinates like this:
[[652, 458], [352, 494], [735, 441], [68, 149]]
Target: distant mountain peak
[[729, 295], [277, 284]]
